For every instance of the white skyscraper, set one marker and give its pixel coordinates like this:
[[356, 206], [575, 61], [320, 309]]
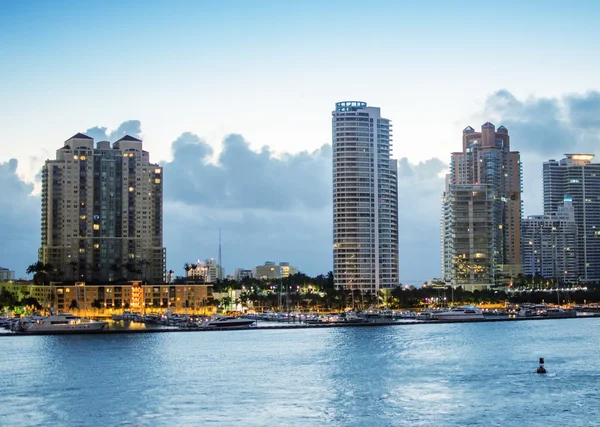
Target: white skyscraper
[[365, 199]]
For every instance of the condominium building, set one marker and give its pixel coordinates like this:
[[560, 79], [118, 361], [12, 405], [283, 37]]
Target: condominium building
[[365, 199], [270, 270], [102, 212], [208, 271], [549, 244], [577, 179], [241, 274], [6, 275], [489, 167]]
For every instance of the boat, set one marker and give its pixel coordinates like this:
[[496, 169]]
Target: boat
[[560, 313], [228, 322], [60, 323], [467, 312]]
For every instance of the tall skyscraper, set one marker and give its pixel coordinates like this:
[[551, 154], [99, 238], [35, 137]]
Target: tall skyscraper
[[492, 170], [102, 212], [549, 244], [575, 178], [365, 199]]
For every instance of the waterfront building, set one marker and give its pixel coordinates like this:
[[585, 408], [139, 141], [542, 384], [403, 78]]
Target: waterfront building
[[488, 169], [132, 296], [208, 271], [365, 199], [577, 179], [270, 270], [6, 275], [241, 274], [549, 244], [102, 212]]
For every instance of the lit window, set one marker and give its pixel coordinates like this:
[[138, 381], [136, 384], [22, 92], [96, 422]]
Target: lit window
[[96, 245], [131, 189], [157, 181], [82, 158], [76, 157], [96, 227], [82, 217], [156, 170], [81, 250]]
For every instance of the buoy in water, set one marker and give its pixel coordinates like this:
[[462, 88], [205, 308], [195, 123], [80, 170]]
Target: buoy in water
[[541, 369]]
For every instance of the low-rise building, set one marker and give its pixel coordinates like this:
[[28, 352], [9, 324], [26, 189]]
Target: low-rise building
[[133, 296], [208, 271], [272, 271]]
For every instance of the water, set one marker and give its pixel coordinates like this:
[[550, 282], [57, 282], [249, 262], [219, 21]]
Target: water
[[418, 375]]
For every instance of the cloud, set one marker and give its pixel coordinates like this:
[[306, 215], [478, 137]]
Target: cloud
[[543, 129], [129, 127], [280, 208], [19, 219]]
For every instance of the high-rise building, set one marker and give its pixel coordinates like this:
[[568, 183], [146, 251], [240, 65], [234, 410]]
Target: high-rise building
[[365, 199], [577, 179], [102, 212], [270, 270], [549, 244], [208, 271], [489, 167]]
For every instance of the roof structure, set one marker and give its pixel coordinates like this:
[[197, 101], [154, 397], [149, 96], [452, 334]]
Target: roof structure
[[80, 135], [129, 138]]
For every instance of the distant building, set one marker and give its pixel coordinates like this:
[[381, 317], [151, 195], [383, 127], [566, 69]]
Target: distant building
[[550, 244], [241, 274], [6, 275], [102, 212], [207, 271], [577, 179], [272, 271]]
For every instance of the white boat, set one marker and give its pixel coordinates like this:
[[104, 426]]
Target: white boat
[[467, 312], [228, 322], [60, 323], [559, 313]]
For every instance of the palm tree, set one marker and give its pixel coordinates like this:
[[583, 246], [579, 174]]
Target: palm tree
[[74, 305], [73, 265], [187, 267]]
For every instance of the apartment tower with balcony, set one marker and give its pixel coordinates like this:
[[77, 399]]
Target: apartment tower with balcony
[[487, 169], [576, 179], [102, 215], [365, 199]]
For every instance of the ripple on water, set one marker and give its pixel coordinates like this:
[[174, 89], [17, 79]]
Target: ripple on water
[[420, 375]]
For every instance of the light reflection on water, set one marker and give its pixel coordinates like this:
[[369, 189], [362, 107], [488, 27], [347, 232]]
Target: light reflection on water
[[419, 375]]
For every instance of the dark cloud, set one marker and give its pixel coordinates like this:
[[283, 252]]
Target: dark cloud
[[130, 127], [20, 219], [543, 129], [279, 208], [243, 178], [547, 127]]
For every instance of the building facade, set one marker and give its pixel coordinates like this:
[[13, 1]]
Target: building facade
[[102, 212], [133, 296], [6, 275], [208, 271], [485, 160], [270, 270], [550, 245], [575, 178], [365, 199], [241, 274]]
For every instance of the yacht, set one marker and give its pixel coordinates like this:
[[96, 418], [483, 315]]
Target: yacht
[[60, 323], [559, 313], [228, 322], [467, 312]]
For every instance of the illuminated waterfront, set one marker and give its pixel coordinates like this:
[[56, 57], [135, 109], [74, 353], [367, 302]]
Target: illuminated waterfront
[[444, 374]]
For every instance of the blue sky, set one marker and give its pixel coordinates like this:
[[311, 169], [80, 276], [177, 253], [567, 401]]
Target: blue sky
[[271, 72]]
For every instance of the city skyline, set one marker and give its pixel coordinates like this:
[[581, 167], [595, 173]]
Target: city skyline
[[210, 72]]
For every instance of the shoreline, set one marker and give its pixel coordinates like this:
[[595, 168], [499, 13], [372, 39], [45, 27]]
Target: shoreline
[[116, 331]]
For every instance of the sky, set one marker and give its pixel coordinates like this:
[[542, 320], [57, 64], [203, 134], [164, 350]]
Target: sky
[[234, 98]]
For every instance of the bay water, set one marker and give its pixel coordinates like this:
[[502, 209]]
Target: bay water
[[467, 374]]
